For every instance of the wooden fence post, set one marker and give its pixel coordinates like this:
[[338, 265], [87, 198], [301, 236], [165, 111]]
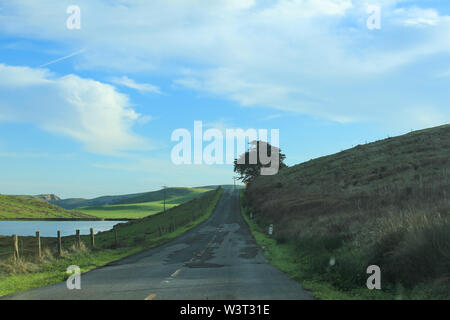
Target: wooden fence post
[[38, 240], [160, 232], [16, 247], [78, 239], [115, 237], [92, 238], [59, 244]]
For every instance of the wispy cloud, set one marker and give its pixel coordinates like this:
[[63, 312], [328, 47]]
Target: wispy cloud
[[63, 58], [271, 117], [130, 83]]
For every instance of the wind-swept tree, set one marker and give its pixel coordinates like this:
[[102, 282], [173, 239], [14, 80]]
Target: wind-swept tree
[[261, 158]]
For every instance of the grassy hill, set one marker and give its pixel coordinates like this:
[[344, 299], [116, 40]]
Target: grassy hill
[[126, 211], [384, 203], [145, 204], [224, 186], [16, 207], [173, 195]]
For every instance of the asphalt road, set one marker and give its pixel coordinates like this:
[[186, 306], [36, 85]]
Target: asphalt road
[[219, 259]]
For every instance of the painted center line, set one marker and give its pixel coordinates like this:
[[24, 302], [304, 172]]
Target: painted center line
[[176, 273], [151, 297]]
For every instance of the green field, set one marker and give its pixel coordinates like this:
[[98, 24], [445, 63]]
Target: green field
[[16, 207], [173, 195], [135, 208], [127, 211], [133, 236]]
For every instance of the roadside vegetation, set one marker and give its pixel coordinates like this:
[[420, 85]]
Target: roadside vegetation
[[384, 203], [134, 236], [18, 207]]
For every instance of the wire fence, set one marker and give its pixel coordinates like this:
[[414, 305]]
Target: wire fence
[[19, 247], [26, 246]]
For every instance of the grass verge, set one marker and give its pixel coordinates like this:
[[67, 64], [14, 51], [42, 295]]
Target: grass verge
[[333, 272], [132, 237]]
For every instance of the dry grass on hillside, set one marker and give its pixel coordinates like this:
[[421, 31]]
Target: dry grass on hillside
[[384, 203]]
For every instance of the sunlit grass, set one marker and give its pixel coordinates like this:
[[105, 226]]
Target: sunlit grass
[[142, 208]]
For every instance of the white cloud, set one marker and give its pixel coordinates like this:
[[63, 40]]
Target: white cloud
[[130, 83], [88, 111], [306, 56]]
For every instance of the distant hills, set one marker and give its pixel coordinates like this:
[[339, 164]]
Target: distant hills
[[126, 206], [145, 204], [73, 203], [171, 194]]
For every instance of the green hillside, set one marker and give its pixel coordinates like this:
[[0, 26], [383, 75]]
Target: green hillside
[[16, 207], [385, 203], [173, 195], [146, 204], [225, 186], [126, 211], [73, 203]]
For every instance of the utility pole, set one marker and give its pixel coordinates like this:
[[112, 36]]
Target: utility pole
[[164, 191]]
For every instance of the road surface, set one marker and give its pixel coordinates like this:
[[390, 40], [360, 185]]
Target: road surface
[[218, 259]]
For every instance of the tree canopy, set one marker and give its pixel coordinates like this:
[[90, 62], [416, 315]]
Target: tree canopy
[[260, 155]]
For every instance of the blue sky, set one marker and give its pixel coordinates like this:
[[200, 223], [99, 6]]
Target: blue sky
[[90, 112]]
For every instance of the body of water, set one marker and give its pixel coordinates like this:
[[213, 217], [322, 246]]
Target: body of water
[[50, 228]]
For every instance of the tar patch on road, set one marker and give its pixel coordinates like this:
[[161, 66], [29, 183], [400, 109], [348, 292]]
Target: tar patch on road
[[249, 252], [201, 264]]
